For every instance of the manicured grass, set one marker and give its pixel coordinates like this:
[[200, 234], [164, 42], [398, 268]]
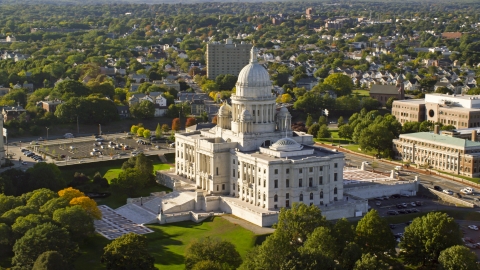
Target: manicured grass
[[112, 173], [475, 180], [168, 242], [160, 167], [118, 199], [364, 93]]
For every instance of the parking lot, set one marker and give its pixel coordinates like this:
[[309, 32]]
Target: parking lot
[[88, 147], [471, 237]]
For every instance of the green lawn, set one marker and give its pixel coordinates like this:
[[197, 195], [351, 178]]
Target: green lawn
[[364, 93], [118, 199], [168, 242]]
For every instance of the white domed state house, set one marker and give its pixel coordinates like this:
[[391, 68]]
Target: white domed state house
[[252, 160]]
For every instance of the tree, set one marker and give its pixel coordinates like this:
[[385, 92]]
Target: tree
[[146, 133], [70, 193], [158, 132], [50, 260], [43, 175], [389, 102], [129, 251], [458, 258], [427, 236], [76, 220], [42, 238], [165, 128], [140, 132], [143, 110], [190, 122], [309, 121], [207, 265], [313, 129], [376, 137], [322, 120], [374, 235], [176, 124], [134, 129], [285, 98], [23, 224], [89, 205], [40, 197], [323, 132], [340, 121], [214, 250], [370, 261], [342, 84]]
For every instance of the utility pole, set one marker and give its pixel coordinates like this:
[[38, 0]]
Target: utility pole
[[47, 132]]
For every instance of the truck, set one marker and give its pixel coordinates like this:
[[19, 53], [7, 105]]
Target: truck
[[467, 190]]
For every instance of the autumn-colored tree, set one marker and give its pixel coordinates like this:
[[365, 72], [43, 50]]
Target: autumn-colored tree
[[70, 193], [214, 120], [88, 205], [176, 124], [190, 122], [147, 133], [134, 129], [140, 132], [165, 128], [286, 98]]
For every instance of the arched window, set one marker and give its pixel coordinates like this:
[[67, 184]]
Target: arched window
[[301, 197], [321, 194], [311, 196], [275, 198], [335, 191]]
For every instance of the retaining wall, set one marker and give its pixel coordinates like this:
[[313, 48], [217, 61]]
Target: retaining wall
[[451, 199]]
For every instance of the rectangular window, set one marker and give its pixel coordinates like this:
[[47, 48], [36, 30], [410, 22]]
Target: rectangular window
[[276, 171], [310, 182], [320, 180], [335, 177], [233, 187], [321, 168], [335, 165], [335, 199], [217, 187], [217, 170], [234, 173], [300, 171], [234, 161], [300, 182], [287, 196], [223, 186], [310, 169], [275, 183], [287, 183], [287, 171]]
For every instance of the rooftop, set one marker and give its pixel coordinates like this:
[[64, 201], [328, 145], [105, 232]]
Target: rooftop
[[441, 139]]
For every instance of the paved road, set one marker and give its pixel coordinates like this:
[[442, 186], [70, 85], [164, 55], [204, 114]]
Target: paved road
[[426, 180]]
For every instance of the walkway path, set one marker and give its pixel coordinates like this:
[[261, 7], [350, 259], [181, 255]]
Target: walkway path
[[249, 226]]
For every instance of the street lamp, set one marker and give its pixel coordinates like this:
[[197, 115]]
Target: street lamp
[[47, 132]]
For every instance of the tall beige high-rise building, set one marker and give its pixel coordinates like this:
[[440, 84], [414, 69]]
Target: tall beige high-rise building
[[226, 58]]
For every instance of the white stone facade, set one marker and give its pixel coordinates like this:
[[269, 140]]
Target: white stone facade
[[253, 155]]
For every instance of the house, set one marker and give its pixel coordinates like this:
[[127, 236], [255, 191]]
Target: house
[[11, 39], [138, 78], [13, 113], [123, 111], [442, 84], [411, 84], [198, 106], [167, 83], [4, 90], [28, 86], [308, 83], [107, 71], [120, 71], [49, 105], [134, 87], [383, 92], [156, 98]]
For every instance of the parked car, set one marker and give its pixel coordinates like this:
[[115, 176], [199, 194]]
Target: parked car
[[473, 227], [392, 212], [99, 139], [413, 204], [378, 203], [437, 188], [401, 211], [404, 205], [419, 203], [467, 190], [415, 210], [24, 163], [447, 191], [40, 139], [68, 135]]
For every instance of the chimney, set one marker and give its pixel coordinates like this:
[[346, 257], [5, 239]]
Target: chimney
[[436, 129], [474, 135]]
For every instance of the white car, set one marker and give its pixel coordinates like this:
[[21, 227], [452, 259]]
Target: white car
[[467, 190], [68, 135], [413, 204], [473, 227], [446, 191], [378, 203]]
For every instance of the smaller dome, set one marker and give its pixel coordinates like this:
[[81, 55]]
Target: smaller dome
[[245, 116], [225, 109], [283, 111], [286, 144]]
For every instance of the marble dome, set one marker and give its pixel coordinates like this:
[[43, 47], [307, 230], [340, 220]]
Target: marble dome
[[254, 79], [286, 144], [225, 109], [245, 116]]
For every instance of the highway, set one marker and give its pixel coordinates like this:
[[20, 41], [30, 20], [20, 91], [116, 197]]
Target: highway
[[426, 180]]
